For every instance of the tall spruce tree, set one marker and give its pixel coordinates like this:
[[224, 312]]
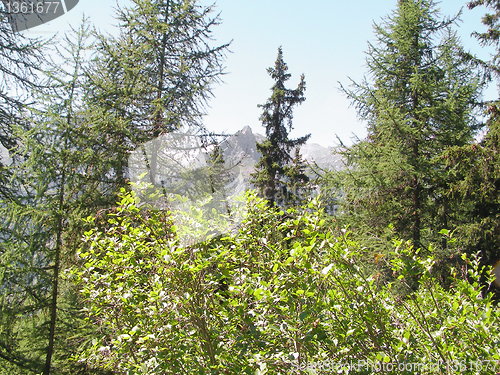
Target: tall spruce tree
[[420, 102], [270, 170]]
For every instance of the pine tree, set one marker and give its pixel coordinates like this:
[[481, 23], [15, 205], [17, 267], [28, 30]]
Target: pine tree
[[420, 103], [277, 119]]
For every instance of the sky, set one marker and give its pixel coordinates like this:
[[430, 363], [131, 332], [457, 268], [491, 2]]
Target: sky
[[325, 40]]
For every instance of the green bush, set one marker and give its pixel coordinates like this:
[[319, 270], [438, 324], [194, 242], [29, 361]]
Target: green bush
[[283, 295]]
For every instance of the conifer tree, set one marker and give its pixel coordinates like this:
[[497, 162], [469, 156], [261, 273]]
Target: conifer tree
[[492, 35], [55, 181], [218, 173], [421, 102], [156, 76], [475, 189], [474, 168], [20, 61], [297, 181], [277, 119]]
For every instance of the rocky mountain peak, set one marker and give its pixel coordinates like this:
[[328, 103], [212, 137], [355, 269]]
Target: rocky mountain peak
[[240, 148]]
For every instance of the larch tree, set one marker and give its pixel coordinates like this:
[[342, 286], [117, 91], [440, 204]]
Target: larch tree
[[270, 171], [155, 77], [475, 183], [420, 101], [20, 61], [491, 37], [55, 180]]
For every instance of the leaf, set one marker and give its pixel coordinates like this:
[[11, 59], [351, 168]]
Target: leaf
[[274, 328], [303, 315], [444, 232], [258, 293]]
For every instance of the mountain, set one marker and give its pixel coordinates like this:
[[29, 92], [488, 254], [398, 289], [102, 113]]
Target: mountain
[[241, 152], [181, 161], [323, 157], [241, 145]]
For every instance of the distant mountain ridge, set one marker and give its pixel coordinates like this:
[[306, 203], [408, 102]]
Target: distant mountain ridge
[[240, 150], [181, 161]]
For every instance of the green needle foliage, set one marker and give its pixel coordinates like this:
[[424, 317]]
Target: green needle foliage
[[155, 77], [492, 35], [270, 171], [476, 166], [54, 182], [475, 184], [419, 102], [20, 61], [298, 187]]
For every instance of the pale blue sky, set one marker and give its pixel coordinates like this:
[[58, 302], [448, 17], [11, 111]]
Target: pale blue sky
[[324, 39]]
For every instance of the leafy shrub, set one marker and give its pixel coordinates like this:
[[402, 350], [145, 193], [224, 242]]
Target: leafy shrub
[[283, 295]]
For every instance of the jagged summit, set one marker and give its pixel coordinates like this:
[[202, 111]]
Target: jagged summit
[[241, 145], [246, 129], [241, 148]]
